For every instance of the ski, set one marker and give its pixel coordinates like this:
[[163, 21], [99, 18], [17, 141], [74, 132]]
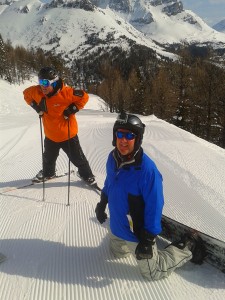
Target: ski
[[33, 182], [95, 187], [2, 257], [215, 248]]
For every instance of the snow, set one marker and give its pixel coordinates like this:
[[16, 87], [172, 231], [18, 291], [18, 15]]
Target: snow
[[55, 251], [66, 30]]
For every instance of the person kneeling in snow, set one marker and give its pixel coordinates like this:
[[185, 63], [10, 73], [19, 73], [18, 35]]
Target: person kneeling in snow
[[57, 105], [134, 194]]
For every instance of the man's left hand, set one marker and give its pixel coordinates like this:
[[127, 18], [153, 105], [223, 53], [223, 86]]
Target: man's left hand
[[70, 110]]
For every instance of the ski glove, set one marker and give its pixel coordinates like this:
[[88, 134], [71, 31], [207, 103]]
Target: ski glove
[[144, 249], [37, 108], [70, 110], [100, 209]]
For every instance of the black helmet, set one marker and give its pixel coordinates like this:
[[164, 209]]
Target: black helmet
[[47, 73], [132, 123]]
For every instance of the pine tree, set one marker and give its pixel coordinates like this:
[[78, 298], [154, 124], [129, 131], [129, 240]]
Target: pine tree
[[3, 60], [164, 95]]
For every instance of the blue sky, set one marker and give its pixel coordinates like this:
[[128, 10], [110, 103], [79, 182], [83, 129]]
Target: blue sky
[[211, 11]]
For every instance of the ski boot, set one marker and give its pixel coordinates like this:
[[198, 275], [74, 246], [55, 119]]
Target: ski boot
[[39, 177], [195, 244], [90, 180]]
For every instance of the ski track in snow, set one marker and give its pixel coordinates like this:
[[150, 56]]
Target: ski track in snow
[[51, 257], [55, 251]]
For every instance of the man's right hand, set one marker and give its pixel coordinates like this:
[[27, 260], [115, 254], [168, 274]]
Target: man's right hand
[[100, 213], [37, 108]]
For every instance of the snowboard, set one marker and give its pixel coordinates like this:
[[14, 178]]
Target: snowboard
[[2, 257], [215, 249]]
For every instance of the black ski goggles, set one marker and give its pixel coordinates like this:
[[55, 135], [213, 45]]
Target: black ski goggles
[[127, 135]]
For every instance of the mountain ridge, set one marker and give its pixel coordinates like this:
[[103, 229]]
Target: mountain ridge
[[220, 26], [78, 28]]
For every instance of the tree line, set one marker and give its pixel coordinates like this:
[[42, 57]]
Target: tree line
[[18, 63], [188, 92]]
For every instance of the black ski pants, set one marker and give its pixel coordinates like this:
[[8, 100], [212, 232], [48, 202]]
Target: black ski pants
[[74, 152]]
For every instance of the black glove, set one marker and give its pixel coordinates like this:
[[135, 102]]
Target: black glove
[[100, 213], [100, 209], [144, 248], [37, 108], [70, 110]]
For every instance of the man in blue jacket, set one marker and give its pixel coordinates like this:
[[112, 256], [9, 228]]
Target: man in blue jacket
[[134, 194]]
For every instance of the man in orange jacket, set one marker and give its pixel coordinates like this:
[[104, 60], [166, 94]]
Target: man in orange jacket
[[57, 105]]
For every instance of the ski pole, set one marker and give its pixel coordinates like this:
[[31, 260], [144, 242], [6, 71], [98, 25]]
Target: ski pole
[[68, 200], [42, 153]]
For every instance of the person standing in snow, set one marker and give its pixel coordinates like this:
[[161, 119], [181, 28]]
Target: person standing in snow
[[134, 193], [57, 104]]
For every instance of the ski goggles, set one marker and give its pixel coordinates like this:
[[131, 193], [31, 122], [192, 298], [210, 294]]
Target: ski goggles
[[127, 135], [47, 82]]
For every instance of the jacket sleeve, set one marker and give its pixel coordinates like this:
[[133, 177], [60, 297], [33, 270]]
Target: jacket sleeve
[[31, 94], [79, 98], [154, 200], [108, 168]]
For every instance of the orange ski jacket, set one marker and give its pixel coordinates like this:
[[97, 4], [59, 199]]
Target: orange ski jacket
[[55, 125]]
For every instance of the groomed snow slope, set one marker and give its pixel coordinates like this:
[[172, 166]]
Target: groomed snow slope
[[57, 252]]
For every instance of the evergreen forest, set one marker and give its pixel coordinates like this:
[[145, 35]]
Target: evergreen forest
[[188, 92]]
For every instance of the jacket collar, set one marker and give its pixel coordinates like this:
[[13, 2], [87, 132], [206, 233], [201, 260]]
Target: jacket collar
[[122, 161]]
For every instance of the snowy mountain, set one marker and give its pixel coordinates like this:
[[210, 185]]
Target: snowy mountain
[[77, 28], [58, 252], [220, 26]]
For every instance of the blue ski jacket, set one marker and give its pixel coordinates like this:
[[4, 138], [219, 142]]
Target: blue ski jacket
[[135, 197]]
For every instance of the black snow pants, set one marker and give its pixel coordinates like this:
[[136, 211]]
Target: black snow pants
[[75, 155]]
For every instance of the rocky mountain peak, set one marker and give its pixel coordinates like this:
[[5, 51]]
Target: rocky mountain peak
[[80, 27], [82, 4], [220, 26]]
